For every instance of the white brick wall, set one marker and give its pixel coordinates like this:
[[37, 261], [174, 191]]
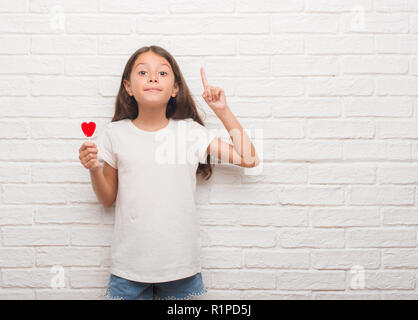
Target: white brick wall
[[332, 84]]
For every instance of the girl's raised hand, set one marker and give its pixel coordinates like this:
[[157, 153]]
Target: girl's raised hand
[[214, 96]]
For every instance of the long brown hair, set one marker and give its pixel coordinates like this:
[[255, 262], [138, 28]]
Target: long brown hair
[[180, 107]]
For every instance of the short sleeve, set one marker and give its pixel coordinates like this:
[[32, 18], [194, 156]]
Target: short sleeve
[[205, 138], [105, 148]]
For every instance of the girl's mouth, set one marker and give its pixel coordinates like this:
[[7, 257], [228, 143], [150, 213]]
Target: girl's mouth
[[153, 89]]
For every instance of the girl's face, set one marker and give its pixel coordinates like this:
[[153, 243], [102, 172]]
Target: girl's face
[[151, 71]]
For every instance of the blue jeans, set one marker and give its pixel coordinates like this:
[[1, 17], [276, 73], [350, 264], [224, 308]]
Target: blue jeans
[[182, 289]]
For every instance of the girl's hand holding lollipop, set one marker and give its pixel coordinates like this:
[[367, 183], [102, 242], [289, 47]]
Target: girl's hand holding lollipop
[[88, 151]]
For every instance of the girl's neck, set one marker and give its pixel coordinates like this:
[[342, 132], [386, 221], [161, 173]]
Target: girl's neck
[[151, 120]]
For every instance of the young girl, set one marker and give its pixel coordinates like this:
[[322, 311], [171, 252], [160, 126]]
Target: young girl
[[150, 166]]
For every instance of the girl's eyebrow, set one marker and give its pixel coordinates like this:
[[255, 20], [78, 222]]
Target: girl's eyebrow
[[163, 64]]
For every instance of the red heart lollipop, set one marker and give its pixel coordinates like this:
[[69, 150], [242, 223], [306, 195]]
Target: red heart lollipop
[[88, 128]]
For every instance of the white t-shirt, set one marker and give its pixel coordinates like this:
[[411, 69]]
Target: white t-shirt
[[156, 235]]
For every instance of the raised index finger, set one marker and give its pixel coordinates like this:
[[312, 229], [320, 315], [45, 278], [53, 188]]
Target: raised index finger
[[203, 76]]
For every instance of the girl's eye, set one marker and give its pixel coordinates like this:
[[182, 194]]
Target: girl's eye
[[140, 72]]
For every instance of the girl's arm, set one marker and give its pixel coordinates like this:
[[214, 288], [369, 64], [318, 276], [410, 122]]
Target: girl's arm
[[243, 149], [242, 152], [105, 184]]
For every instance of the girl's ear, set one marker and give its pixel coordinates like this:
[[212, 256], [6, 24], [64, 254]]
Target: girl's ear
[[175, 90], [127, 87]]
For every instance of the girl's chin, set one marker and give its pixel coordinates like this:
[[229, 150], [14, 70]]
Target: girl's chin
[[153, 99]]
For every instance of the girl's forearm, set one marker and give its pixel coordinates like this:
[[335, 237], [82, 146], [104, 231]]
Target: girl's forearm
[[241, 141], [102, 188]]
